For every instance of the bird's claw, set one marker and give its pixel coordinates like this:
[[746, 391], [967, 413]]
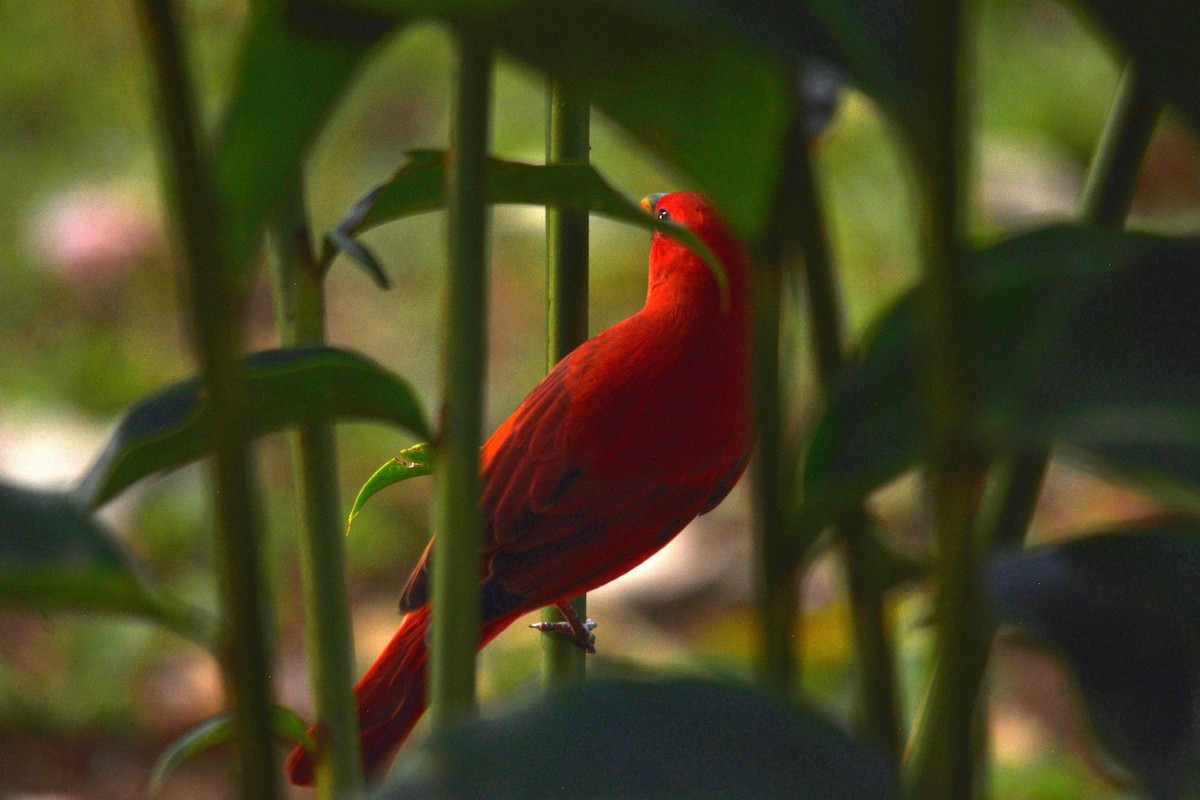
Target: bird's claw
[[581, 632]]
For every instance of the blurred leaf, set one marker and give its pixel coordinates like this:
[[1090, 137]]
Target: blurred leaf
[[420, 186], [1121, 608], [413, 462], [298, 58], [675, 739], [55, 556], [289, 728], [284, 388], [1078, 336], [1160, 36]]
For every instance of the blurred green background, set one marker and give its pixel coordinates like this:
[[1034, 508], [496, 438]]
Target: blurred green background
[[91, 321]]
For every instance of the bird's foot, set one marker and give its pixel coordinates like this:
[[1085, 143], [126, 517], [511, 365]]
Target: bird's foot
[[580, 630]]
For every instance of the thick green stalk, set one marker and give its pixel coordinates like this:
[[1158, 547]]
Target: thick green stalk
[[456, 603], [568, 131], [778, 607], [942, 760], [300, 309], [216, 307], [873, 649]]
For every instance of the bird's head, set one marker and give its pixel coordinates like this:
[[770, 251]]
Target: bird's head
[[675, 269]]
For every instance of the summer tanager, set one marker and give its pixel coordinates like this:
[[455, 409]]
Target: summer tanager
[[630, 437]]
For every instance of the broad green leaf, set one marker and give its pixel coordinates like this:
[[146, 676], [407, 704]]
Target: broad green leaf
[[289, 728], [1160, 36], [296, 61], [1121, 608], [1079, 337], [716, 108], [55, 556], [413, 462], [681, 738], [284, 388], [420, 186]]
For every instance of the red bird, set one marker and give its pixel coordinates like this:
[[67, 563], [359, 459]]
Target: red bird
[[630, 437]]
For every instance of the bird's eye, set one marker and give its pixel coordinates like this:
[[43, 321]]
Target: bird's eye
[[662, 214]]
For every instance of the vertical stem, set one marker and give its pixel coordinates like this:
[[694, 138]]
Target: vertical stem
[[300, 305], [942, 760], [457, 519], [778, 607], [568, 131], [877, 684], [215, 310]]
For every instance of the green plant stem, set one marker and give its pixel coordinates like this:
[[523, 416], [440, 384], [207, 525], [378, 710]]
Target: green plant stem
[[873, 649], [942, 759], [457, 520], [568, 137], [300, 310], [216, 307], [778, 558], [1113, 175]]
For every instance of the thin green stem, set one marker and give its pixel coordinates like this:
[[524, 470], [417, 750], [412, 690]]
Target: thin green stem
[[457, 520], [300, 309], [873, 649], [215, 310], [1113, 175], [942, 760], [568, 135]]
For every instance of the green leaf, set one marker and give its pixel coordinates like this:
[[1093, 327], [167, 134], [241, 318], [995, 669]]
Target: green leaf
[[715, 107], [54, 556], [289, 728], [681, 738], [1160, 37], [420, 186], [1078, 336], [283, 388], [1121, 608], [297, 60], [413, 462]]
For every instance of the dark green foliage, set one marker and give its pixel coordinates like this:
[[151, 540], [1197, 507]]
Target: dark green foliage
[[673, 740], [1078, 336], [1122, 610], [284, 388]]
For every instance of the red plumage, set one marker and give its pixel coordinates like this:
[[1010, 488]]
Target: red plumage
[[629, 438]]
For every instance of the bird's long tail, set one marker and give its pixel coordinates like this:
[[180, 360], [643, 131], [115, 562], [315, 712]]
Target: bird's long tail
[[390, 697]]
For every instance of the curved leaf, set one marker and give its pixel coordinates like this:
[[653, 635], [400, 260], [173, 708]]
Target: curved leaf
[[55, 556], [1080, 336], [420, 186], [1121, 608], [674, 739], [284, 388], [413, 462], [297, 59], [289, 728]]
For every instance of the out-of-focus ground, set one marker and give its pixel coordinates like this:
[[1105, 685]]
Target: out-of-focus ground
[[91, 321]]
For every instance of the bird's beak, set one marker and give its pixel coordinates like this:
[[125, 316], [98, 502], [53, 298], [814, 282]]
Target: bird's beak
[[650, 202]]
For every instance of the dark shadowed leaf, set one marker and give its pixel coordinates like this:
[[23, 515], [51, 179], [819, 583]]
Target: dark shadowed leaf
[[284, 388], [1078, 336], [297, 59], [289, 728], [55, 556], [420, 186], [1161, 37], [413, 462], [622, 739], [1122, 609]]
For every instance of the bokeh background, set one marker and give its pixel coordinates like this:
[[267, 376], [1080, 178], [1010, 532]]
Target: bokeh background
[[90, 321]]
